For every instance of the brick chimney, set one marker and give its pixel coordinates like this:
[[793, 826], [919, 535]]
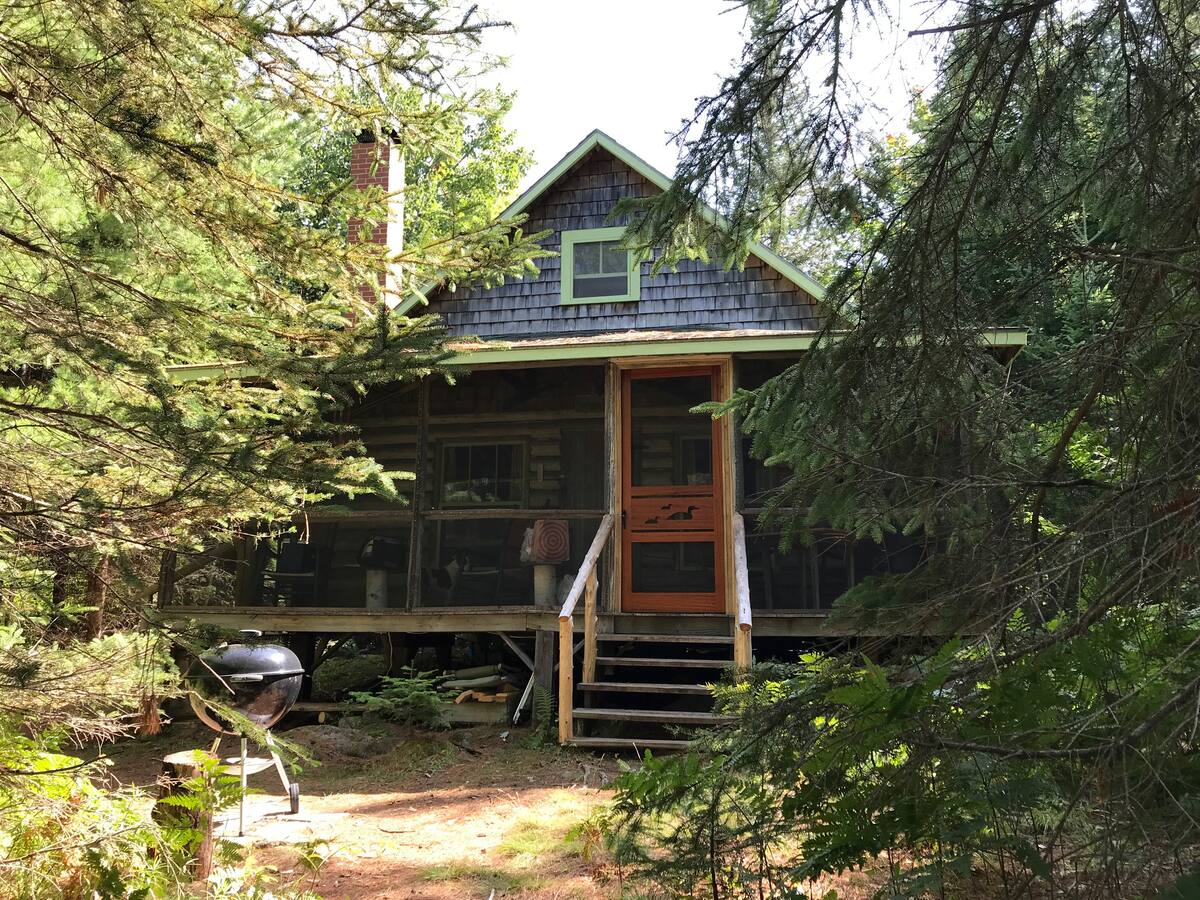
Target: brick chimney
[[380, 164]]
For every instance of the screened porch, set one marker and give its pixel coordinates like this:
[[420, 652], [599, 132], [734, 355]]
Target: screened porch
[[491, 456]]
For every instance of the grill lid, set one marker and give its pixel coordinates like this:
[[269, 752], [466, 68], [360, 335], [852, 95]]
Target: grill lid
[[244, 663]]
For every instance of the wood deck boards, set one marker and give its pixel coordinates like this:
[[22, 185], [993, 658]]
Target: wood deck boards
[[377, 621], [630, 745]]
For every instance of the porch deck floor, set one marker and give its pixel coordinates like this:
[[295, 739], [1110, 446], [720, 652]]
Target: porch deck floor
[[343, 620]]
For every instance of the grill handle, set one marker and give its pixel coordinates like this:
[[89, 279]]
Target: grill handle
[[244, 679]]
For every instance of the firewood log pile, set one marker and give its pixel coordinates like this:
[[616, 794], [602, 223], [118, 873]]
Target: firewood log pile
[[481, 684]]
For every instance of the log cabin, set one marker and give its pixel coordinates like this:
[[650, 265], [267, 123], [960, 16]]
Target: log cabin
[[566, 498]]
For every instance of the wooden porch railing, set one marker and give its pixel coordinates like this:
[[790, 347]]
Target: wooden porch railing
[[584, 585], [743, 656]]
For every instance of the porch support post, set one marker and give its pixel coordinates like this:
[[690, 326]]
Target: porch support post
[[412, 597], [611, 601], [743, 651], [589, 628], [566, 680], [248, 562]]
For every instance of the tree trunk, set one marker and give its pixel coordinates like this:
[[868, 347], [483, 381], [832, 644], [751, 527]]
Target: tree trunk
[[544, 655], [60, 593], [166, 579], [178, 769], [97, 596]]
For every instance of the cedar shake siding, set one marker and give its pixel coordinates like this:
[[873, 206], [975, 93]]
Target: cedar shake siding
[[699, 296]]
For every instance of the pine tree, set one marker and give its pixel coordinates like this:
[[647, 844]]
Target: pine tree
[[1052, 182], [155, 211]]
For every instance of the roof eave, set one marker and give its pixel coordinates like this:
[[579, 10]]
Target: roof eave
[[616, 346]]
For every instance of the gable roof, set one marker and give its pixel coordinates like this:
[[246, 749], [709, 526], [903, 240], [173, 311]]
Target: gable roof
[[599, 139]]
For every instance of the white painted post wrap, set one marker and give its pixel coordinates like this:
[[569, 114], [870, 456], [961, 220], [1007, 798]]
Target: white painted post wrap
[[544, 584], [377, 589], [743, 656]]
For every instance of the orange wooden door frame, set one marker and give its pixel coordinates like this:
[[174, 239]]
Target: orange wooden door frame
[[705, 505]]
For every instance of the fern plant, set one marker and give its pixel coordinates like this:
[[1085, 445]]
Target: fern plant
[[545, 731]]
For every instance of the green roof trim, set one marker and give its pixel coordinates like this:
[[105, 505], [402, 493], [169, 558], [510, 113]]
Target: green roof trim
[[596, 139], [576, 349], [691, 344], [680, 346]]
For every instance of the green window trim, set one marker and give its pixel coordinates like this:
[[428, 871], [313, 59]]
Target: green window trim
[[633, 284]]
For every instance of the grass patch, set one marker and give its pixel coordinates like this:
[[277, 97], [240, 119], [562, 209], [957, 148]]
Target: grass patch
[[550, 836], [486, 878], [535, 849], [529, 841]]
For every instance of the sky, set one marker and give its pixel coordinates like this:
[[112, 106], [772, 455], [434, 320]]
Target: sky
[[635, 68]]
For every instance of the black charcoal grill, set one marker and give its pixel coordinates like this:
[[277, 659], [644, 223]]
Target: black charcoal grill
[[258, 681]]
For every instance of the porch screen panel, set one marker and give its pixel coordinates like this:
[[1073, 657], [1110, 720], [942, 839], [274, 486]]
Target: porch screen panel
[[812, 577], [321, 566], [507, 448], [476, 562], [673, 567], [511, 439], [669, 444], [756, 480], [387, 422]]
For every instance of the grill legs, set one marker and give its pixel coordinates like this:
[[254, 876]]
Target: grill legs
[[291, 787]]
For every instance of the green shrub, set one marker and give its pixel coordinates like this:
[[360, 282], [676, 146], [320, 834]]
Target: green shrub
[[411, 699], [336, 677]]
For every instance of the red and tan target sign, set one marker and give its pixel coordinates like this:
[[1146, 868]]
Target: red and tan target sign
[[551, 541]]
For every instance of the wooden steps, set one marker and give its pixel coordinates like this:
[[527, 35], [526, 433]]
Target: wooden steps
[[646, 687], [660, 706], [663, 662], [664, 716], [630, 744], [664, 638]]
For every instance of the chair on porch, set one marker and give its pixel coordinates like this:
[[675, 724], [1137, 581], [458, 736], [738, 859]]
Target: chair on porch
[[299, 574], [507, 563]]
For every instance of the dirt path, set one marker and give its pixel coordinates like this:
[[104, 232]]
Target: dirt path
[[453, 815]]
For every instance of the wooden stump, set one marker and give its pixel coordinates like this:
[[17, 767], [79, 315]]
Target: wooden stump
[[177, 770]]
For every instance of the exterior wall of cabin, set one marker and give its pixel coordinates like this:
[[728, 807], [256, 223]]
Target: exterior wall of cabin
[[700, 295], [504, 447]]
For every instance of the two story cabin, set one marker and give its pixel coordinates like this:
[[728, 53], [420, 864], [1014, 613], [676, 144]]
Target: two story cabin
[[564, 489]]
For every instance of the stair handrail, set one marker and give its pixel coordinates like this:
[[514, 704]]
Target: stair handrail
[[583, 585], [587, 566], [743, 618]]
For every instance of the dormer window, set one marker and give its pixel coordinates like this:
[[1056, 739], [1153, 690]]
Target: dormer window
[[595, 269]]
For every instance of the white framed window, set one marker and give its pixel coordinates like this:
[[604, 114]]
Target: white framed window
[[596, 269]]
